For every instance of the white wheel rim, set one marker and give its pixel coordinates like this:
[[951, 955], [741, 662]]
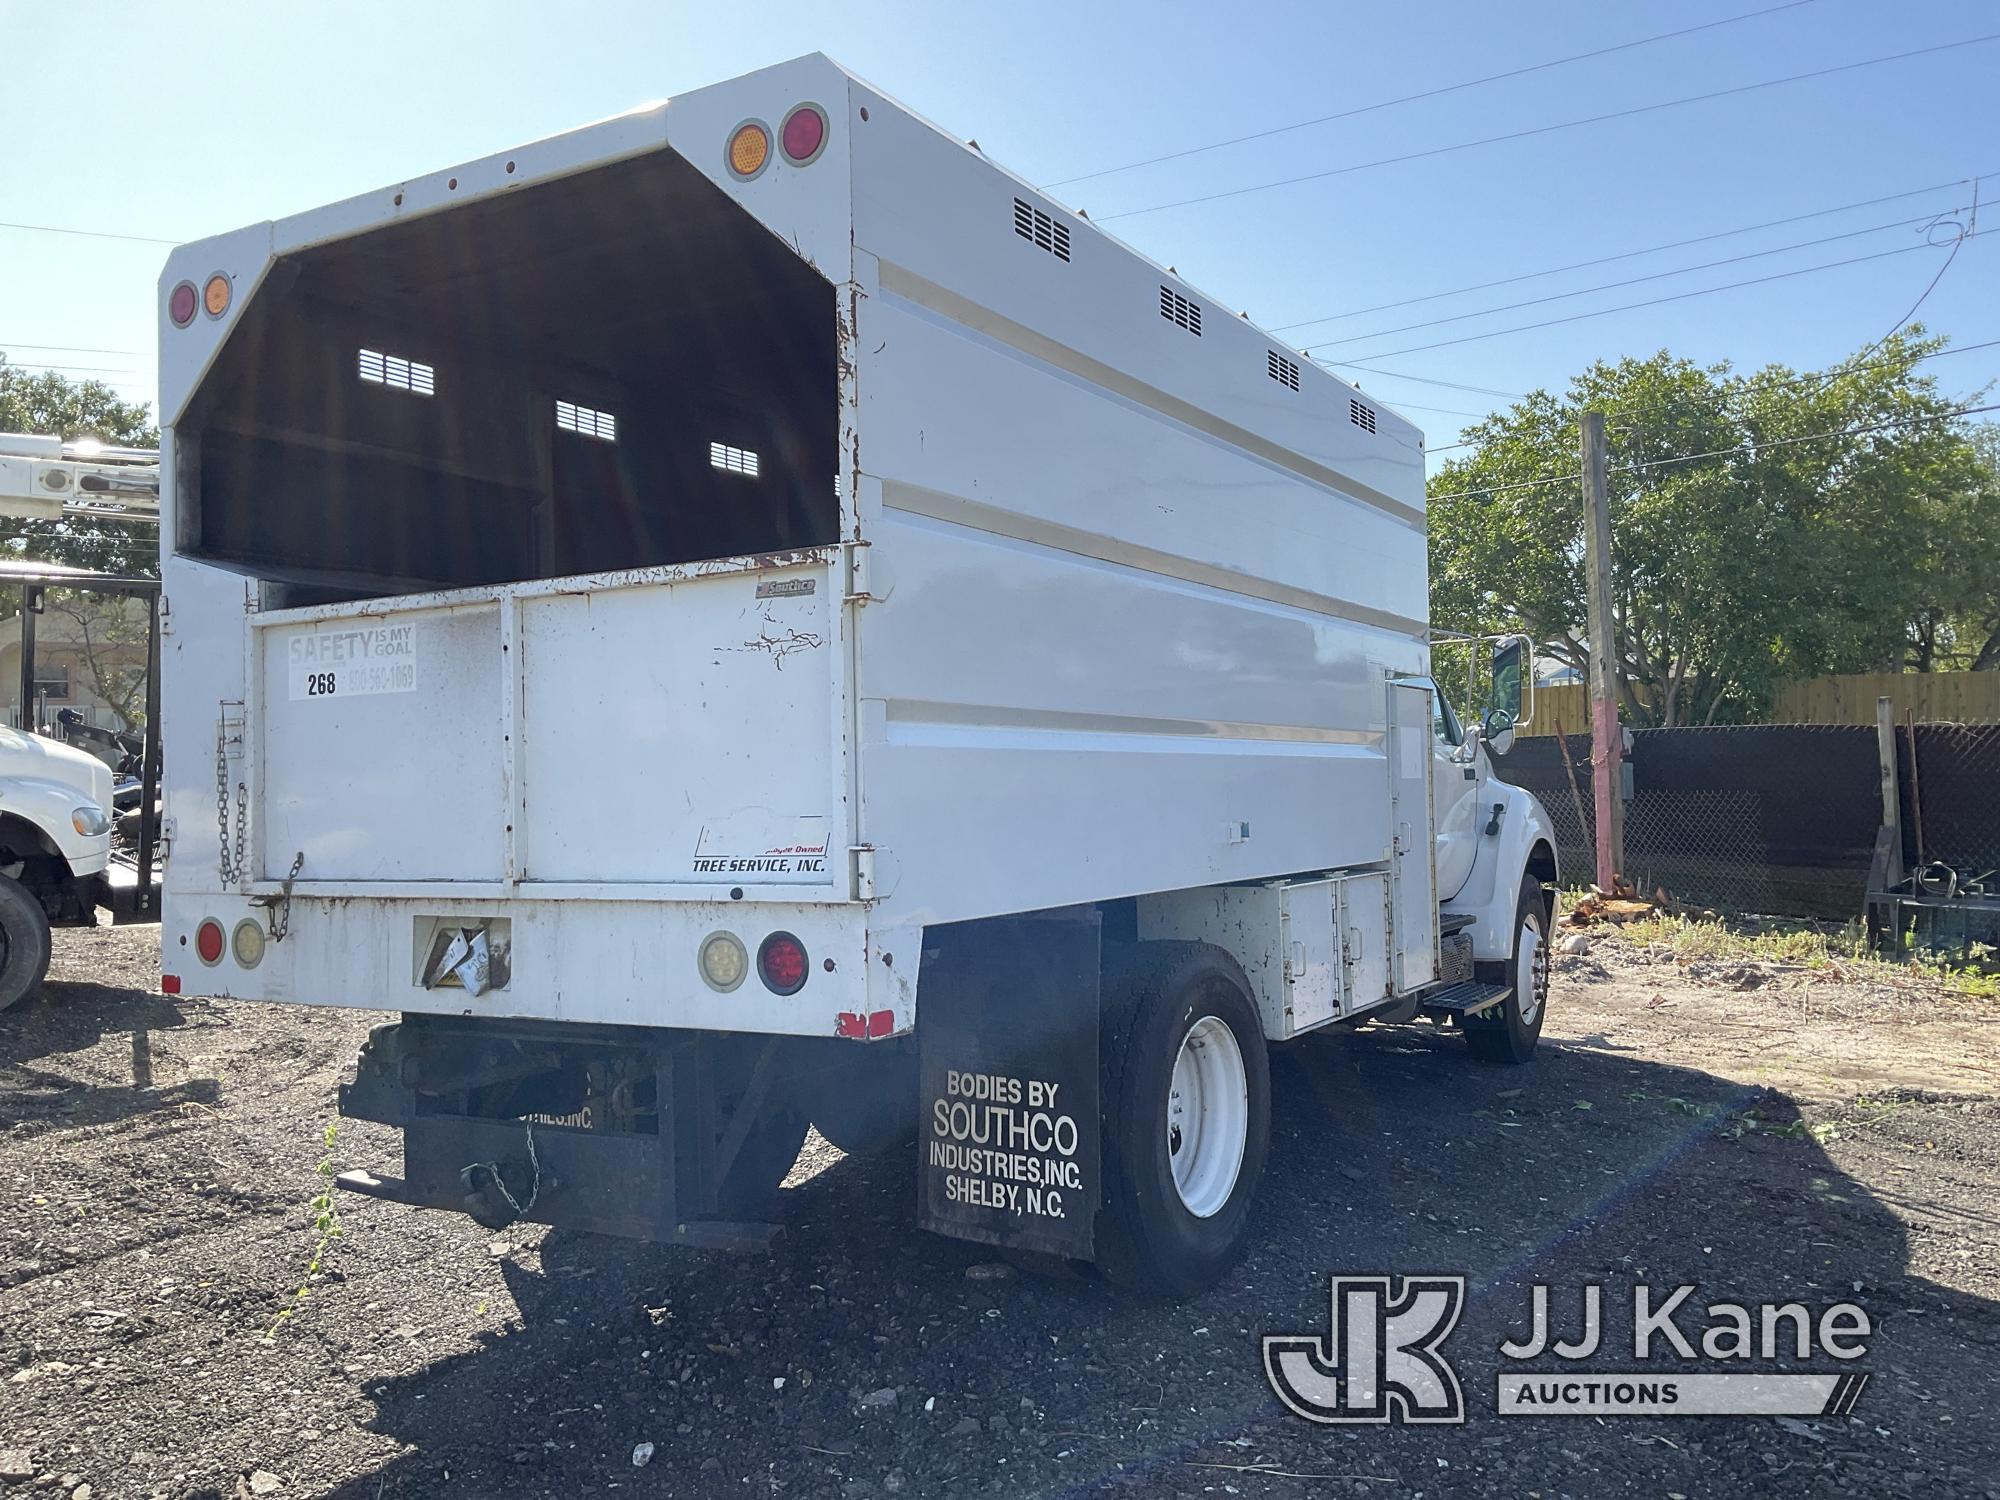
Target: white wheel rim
[[1531, 972], [1208, 1117]]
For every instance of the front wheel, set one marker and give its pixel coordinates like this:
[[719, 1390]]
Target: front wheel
[[24, 942], [1508, 1032], [1187, 1116]]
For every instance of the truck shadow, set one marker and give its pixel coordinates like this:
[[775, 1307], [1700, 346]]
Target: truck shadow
[[73, 1017], [1393, 1152]]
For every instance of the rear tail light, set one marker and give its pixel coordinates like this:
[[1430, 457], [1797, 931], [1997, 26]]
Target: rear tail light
[[804, 135], [782, 964], [247, 942], [723, 961], [208, 942], [181, 304], [749, 149]]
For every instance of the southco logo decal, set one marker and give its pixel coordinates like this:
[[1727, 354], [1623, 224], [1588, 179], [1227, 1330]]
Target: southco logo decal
[[1382, 1358]]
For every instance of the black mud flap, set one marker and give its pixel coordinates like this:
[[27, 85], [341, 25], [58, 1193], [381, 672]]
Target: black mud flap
[[1007, 1025]]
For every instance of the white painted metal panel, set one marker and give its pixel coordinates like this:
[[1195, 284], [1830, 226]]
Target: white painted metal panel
[[682, 732], [1109, 473], [393, 784], [943, 212], [1413, 875], [1361, 905], [1281, 932]]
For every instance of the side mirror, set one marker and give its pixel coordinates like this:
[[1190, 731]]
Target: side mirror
[[1499, 732], [1510, 673]]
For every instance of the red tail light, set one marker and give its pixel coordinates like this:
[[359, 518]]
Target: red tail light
[[208, 942], [782, 964], [804, 134]]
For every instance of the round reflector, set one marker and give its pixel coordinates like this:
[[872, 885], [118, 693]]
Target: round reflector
[[215, 296], [208, 942], [181, 303], [804, 135], [723, 961], [247, 942], [782, 964], [749, 149]]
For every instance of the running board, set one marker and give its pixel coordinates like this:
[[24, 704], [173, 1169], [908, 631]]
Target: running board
[[1469, 997]]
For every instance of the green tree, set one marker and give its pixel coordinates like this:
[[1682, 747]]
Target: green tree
[[1747, 546], [46, 403]]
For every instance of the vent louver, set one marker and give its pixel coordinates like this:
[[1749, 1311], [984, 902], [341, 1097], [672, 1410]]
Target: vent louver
[[1361, 414], [396, 373], [1282, 370], [1039, 229], [1180, 312], [586, 421], [733, 460]]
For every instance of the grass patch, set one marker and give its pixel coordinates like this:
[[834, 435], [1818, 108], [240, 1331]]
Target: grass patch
[[1715, 940]]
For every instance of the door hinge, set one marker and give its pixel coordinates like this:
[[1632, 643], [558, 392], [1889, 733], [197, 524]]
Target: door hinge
[[854, 589], [861, 860], [166, 616]]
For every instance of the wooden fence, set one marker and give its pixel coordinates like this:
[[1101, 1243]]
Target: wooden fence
[[1934, 697]]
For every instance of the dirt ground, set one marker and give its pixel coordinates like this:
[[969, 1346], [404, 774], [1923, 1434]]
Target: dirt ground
[[1767, 1133]]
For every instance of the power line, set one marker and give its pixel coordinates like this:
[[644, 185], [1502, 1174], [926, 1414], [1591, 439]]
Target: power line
[[1683, 458], [1730, 286], [1454, 385], [8, 364], [1811, 377], [1450, 88], [1582, 265], [89, 234], [7, 344], [1517, 135], [1609, 286]]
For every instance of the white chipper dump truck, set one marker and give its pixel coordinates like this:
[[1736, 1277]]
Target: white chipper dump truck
[[749, 615]]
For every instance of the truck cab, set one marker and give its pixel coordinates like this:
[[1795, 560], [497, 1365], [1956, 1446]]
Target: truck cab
[[55, 851]]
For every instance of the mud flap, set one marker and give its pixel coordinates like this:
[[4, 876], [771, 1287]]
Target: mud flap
[[1008, 1124]]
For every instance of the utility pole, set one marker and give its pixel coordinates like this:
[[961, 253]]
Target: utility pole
[[1607, 741]]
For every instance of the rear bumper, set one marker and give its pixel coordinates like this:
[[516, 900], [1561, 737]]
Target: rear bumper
[[603, 962]]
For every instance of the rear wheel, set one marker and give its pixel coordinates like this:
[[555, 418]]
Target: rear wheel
[[1187, 1116], [1508, 1032], [24, 942]]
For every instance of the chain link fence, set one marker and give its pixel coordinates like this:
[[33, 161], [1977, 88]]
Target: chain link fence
[[1767, 820]]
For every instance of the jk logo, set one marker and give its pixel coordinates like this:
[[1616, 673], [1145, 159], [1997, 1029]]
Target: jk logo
[[1379, 1361]]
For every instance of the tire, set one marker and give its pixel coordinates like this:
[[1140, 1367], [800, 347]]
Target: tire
[[1181, 1040], [1508, 1033], [768, 1153], [24, 942]]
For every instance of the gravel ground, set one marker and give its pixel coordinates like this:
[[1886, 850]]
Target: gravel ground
[[1766, 1133]]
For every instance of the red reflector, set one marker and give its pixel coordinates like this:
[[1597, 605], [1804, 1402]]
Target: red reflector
[[851, 1024], [170, 984], [181, 304], [881, 1023], [782, 964], [804, 134], [208, 941]]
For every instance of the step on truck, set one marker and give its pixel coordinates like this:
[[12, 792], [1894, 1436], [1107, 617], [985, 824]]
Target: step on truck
[[749, 616]]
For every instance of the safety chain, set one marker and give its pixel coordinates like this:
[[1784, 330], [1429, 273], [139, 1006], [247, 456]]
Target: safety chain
[[229, 857], [281, 909], [468, 1176]]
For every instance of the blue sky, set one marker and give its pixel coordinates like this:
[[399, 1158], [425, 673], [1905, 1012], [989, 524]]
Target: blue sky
[[175, 119]]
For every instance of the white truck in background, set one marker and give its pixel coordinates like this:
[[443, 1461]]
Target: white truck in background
[[57, 801], [747, 614]]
